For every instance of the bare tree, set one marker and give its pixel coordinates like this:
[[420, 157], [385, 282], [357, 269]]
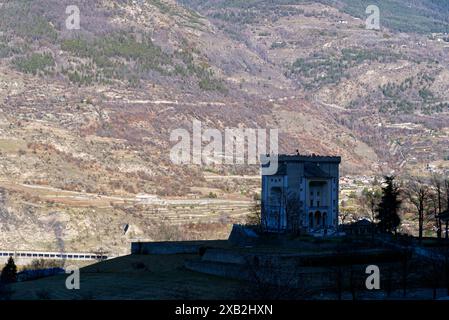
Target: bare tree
[[255, 216], [433, 211], [369, 201], [292, 211], [437, 184], [418, 194], [289, 203], [268, 280], [344, 214], [446, 186], [268, 215], [263, 216]]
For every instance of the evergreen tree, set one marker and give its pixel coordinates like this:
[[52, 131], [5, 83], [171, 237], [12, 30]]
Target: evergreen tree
[[387, 212], [9, 272]]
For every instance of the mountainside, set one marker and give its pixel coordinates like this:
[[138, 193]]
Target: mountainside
[[86, 115], [387, 87]]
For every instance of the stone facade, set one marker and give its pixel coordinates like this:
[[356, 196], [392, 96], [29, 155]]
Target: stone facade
[[302, 194]]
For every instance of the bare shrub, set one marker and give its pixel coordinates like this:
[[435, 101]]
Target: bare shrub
[[268, 281]]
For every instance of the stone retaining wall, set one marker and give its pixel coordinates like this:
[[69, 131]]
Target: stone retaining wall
[[165, 247]]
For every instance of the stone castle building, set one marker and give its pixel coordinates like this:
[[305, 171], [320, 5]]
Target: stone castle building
[[302, 195]]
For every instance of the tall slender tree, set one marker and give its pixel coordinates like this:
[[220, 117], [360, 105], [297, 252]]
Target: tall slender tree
[[292, 211], [446, 186], [388, 209], [437, 184], [418, 194], [432, 210]]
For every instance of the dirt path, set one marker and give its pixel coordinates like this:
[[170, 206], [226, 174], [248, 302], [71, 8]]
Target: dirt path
[[84, 199]]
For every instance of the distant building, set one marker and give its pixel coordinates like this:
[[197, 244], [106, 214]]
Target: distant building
[[302, 195], [361, 227]]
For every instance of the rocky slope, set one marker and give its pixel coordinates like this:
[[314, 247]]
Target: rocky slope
[[90, 111]]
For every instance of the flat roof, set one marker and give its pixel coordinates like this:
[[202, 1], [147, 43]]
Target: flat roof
[[308, 158]]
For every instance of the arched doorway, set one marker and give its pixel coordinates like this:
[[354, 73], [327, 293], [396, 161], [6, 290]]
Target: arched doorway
[[310, 220], [318, 219]]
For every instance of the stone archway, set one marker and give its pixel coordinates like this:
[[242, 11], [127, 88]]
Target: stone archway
[[317, 219]]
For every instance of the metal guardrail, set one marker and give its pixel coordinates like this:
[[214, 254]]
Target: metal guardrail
[[53, 255]]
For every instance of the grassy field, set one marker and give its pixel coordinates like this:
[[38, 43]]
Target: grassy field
[[133, 277], [164, 277]]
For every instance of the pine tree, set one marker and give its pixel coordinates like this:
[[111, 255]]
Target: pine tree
[[387, 212], [9, 272]]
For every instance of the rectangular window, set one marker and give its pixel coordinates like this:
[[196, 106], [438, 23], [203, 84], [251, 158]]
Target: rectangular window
[[311, 203], [317, 203]]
